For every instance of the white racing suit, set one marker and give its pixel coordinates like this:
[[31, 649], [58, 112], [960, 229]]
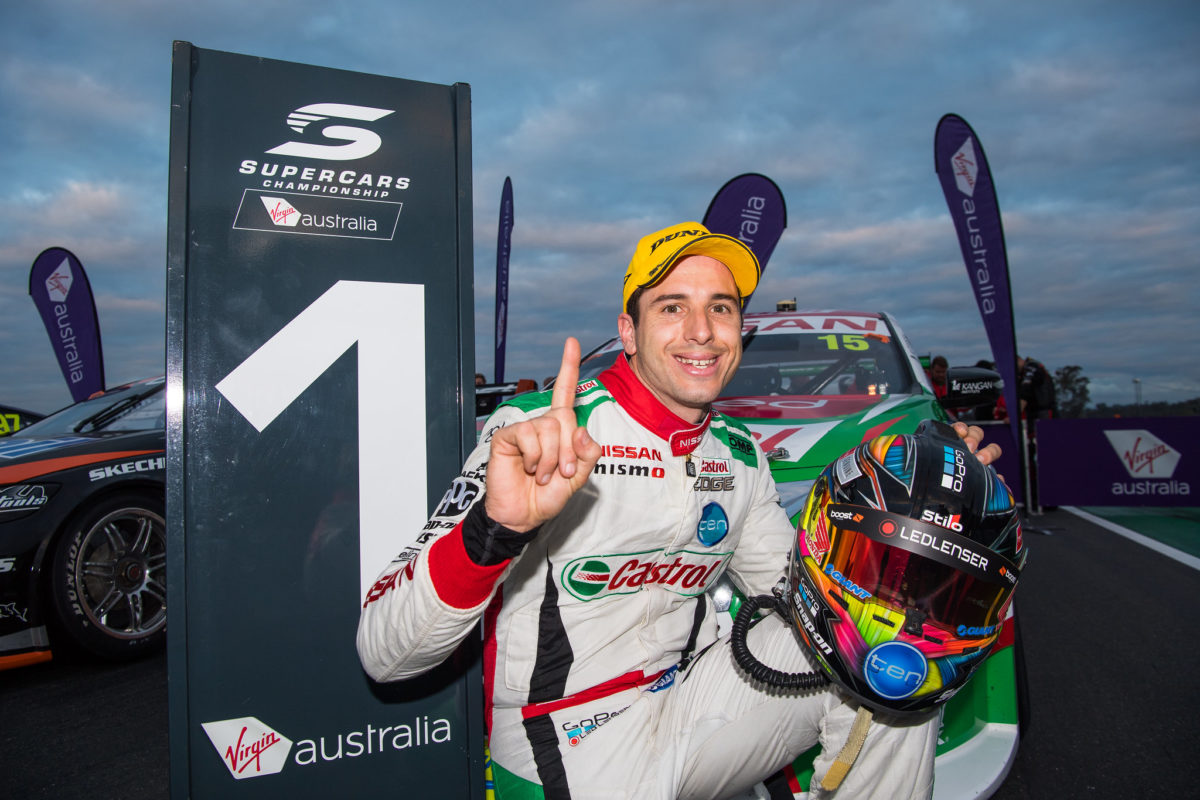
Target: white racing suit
[[603, 671]]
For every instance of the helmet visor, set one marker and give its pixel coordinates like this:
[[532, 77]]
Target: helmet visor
[[952, 579]]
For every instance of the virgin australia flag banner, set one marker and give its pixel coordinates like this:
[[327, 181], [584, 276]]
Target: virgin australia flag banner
[[60, 290], [751, 208], [971, 197], [503, 249]]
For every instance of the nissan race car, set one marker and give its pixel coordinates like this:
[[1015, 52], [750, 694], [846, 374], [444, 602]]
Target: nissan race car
[[812, 385], [82, 531]]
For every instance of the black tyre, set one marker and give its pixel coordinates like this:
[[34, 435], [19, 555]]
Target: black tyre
[[109, 579]]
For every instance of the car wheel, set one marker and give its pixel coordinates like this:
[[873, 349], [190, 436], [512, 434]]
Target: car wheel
[[109, 580]]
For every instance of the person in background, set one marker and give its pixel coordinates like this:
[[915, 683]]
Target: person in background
[[484, 403], [937, 375], [1035, 389]]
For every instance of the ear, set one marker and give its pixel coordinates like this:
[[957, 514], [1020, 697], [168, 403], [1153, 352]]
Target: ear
[[626, 332]]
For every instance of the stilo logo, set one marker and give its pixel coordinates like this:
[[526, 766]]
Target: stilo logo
[[248, 747], [360, 142], [1144, 454], [965, 168], [58, 285], [282, 212], [951, 521]]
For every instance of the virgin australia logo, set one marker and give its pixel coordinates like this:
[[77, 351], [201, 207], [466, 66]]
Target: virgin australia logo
[[1143, 454], [282, 212], [58, 285], [359, 142], [965, 167], [248, 747]]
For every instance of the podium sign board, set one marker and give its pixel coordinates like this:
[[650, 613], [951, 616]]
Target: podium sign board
[[319, 325]]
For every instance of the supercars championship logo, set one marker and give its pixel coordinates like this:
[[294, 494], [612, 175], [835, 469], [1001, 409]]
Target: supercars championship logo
[[330, 198]]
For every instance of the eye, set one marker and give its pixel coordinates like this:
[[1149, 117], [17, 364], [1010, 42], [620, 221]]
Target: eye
[[671, 308]]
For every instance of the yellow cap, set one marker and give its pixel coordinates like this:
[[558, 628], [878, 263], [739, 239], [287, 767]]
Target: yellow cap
[[658, 252]]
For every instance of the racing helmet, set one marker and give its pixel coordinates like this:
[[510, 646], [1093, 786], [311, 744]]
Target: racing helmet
[[906, 556]]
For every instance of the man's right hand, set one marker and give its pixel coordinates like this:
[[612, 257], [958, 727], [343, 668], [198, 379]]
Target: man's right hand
[[535, 466]]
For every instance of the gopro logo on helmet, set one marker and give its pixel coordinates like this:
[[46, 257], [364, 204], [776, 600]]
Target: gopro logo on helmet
[[895, 670], [954, 467]]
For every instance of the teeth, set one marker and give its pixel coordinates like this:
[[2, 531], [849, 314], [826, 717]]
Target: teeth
[[696, 362]]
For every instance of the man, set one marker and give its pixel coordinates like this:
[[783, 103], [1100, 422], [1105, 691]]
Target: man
[[587, 550], [1035, 390], [938, 368]]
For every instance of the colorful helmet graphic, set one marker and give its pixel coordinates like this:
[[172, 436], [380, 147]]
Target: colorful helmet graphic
[[907, 553]]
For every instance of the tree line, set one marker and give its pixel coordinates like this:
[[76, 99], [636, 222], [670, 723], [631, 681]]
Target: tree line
[[1071, 388]]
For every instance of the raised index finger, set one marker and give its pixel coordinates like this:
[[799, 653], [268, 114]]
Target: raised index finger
[[568, 376]]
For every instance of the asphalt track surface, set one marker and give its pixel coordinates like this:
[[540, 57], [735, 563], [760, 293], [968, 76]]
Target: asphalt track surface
[[1110, 641]]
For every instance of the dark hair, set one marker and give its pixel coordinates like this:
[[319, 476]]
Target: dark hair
[[632, 308]]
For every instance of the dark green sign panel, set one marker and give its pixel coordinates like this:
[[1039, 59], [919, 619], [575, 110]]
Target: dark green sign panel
[[319, 333]]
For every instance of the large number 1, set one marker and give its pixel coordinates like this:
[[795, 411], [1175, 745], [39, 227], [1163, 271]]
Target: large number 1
[[387, 321]]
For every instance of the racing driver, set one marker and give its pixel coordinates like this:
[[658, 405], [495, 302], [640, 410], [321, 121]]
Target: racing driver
[[582, 535]]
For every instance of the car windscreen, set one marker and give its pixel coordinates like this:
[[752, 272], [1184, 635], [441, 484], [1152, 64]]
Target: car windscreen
[[139, 407], [798, 361]]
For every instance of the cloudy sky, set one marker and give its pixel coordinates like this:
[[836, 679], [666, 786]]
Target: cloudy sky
[[618, 117]]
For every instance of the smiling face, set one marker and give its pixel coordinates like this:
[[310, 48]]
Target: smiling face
[[688, 340]]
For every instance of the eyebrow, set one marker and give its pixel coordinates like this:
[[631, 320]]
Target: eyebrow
[[669, 298]]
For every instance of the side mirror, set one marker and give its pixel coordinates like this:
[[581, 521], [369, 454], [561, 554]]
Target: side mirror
[[967, 387]]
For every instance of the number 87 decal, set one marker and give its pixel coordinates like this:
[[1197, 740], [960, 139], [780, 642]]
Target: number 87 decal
[[387, 322]]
